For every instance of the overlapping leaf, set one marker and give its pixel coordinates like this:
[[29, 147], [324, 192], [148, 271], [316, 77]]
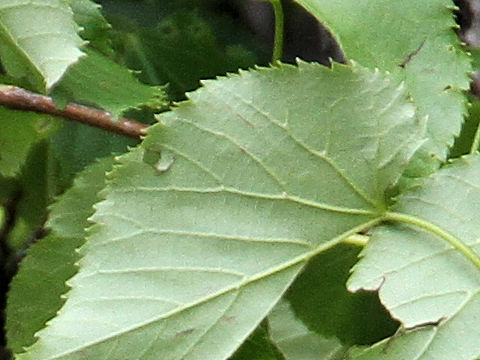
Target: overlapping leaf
[[97, 80], [258, 346], [75, 146], [321, 300], [424, 279], [95, 28], [415, 41], [19, 132], [34, 295], [184, 48], [205, 226], [35, 187], [38, 40], [296, 341]]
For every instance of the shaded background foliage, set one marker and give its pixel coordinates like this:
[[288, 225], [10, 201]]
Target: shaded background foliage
[[177, 42]]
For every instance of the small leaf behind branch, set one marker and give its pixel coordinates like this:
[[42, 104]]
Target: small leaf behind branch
[[97, 80]]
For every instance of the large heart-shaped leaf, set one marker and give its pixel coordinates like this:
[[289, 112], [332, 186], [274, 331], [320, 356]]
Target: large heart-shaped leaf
[[415, 41], [427, 270], [206, 224]]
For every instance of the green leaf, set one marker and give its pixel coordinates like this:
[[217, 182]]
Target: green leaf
[[258, 346], [38, 40], [75, 146], [296, 341], [97, 80], [184, 48], [463, 143], [36, 187], [35, 292], [20, 131], [427, 269], [415, 41], [95, 28], [205, 226], [410, 345], [331, 310]]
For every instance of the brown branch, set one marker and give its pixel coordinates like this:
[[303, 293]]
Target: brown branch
[[21, 99]]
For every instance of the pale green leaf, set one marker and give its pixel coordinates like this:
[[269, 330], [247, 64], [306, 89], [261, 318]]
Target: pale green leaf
[[421, 277], [296, 341], [410, 345], [97, 80], [20, 130], [205, 226], [38, 40], [35, 292], [416, 42]]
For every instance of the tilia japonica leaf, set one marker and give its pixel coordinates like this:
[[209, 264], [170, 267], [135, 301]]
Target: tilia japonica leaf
[[206, 224], [422, 278], [416, 42], [38, 40]]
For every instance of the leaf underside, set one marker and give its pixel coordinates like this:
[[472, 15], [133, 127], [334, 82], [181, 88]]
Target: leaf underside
[[38, 40], [421, 278], [415, 41], [206, 224]]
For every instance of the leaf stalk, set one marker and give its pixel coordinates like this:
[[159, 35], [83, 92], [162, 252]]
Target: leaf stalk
[[471, 255], [279, 30]]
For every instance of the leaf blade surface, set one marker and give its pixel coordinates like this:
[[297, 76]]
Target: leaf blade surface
[[95, 79], [206, 224], [415, 41], [296, 341], [39, 40], [20, 132]]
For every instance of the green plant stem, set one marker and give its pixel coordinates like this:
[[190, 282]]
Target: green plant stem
[[279, 28], [476, 141], [456, 243]]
